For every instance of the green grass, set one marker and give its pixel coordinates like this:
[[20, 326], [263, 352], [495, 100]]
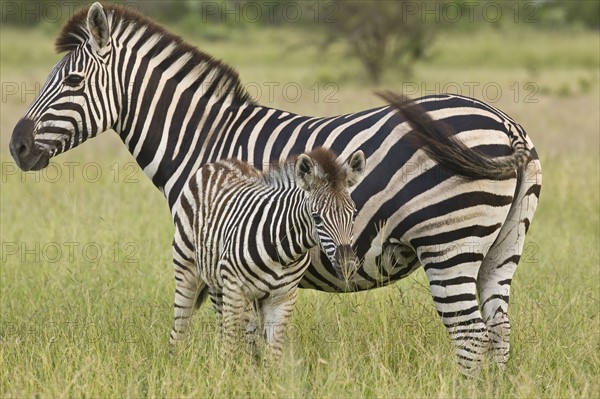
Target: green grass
[[98, 327], [77, 324]]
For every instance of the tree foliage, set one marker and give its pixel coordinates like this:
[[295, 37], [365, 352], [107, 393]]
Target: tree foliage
[[381, 34]]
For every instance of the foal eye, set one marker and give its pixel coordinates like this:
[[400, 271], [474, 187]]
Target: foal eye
[[317, 218], [73, 80]]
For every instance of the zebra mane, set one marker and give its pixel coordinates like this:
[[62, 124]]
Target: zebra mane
[[281, 175], [328, 170], [75, 33]]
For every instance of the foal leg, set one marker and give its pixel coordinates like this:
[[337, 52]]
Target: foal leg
[[187, 288], [276, 314], [234, 306]]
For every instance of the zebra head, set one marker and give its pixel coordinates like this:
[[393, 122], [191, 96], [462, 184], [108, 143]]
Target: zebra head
[[76, 101], [331, 208]]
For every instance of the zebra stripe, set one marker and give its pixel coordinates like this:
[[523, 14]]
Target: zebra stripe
[[451, 183]]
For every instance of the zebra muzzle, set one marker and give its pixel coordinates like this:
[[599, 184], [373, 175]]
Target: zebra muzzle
[[346, 262], [23, 150]]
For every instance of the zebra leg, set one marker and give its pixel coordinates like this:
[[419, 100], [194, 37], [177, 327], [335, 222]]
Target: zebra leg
[[494, 291], [276, 314], [216, 298], [251, 319], [234, 305], [452, 275], [188, 287], [500, 263]]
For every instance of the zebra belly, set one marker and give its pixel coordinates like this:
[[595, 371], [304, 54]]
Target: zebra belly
[[395, 269], [387, 261]]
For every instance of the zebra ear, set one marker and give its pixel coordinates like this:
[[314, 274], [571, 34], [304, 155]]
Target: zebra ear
[[355, 167], [97, 25], [305, 172]]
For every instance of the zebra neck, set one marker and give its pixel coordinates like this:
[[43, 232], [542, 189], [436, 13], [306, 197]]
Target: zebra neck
[[292, 235], [169, 124], [173, 137], [171, 98]]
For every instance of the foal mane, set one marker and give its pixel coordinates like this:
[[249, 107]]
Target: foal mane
[[328, 170]]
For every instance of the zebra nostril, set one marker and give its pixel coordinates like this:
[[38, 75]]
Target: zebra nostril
[[22, 149], [21, 142]]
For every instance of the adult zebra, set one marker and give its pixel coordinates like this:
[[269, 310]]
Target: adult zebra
[[459, 210]]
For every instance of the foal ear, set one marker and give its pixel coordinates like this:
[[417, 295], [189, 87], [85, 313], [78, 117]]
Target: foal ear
[[305, 172], [97, 25], [355, 167]]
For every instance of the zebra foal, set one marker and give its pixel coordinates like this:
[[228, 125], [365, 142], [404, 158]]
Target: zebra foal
[[252, 233]]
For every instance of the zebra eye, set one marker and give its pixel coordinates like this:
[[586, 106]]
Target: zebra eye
[[73, 80], [317, 218]]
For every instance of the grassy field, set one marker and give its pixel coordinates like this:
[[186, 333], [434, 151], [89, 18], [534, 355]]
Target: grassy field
[[86, 279]]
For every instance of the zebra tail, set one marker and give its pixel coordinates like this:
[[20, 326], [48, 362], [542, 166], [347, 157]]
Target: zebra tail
[[439, 142], [201, 297]]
